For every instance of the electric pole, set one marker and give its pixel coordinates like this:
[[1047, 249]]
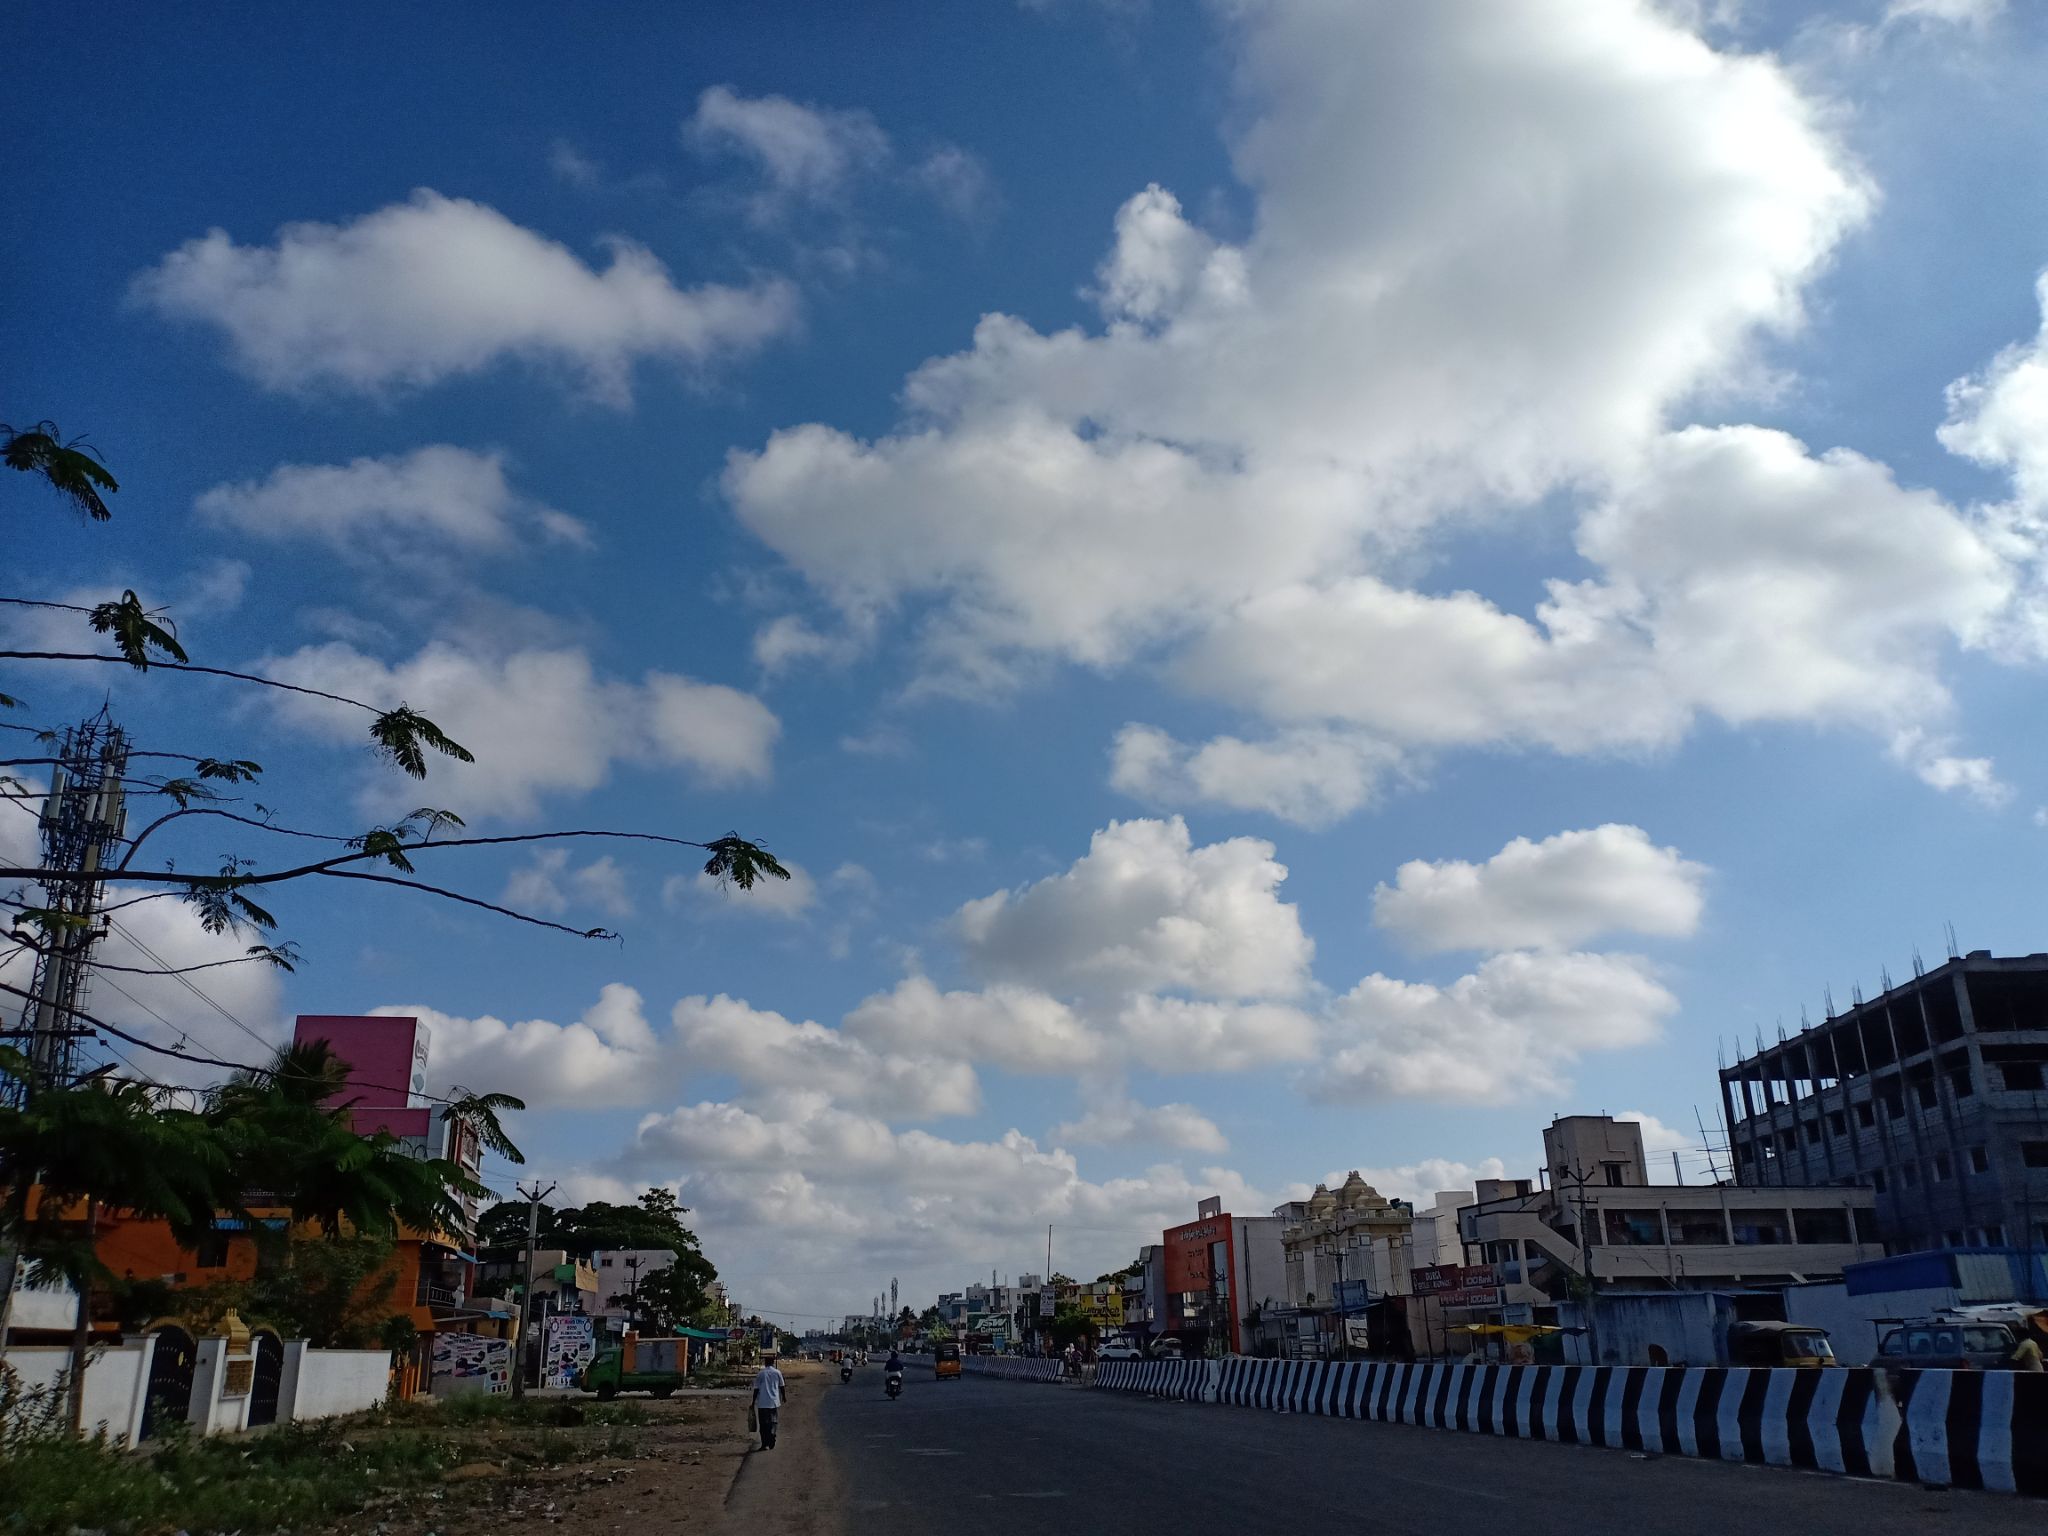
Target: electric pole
[[534, 1196], [1580, 1177], [82, 820]]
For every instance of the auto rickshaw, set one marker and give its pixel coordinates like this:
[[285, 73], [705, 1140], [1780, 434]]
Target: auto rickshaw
[[945, 1361], [1793, 1346]]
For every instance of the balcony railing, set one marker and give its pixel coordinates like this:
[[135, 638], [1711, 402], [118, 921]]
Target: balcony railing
[[437, 1296]]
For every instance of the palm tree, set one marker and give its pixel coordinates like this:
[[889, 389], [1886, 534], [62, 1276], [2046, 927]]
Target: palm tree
[[290, 1135], [68, 1153]]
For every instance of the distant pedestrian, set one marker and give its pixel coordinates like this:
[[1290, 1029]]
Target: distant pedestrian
[[768, 1389]]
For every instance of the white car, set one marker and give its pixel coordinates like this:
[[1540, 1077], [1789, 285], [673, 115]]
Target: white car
[[1120, 1350]]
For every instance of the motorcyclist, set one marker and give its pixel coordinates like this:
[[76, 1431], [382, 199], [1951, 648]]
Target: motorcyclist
[[895, 1365]]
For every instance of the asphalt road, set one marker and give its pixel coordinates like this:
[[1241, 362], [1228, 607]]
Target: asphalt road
[[975, 1457]]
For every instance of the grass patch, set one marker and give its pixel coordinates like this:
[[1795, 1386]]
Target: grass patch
[[295, 1476]]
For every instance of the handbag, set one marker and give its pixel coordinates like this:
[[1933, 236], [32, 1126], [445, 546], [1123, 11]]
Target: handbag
[[753, 1420]]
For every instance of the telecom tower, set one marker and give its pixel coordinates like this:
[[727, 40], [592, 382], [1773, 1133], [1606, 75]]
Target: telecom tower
[[83, 818], [892, 1298]]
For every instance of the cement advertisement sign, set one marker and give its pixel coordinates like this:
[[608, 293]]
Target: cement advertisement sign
[[571, 1345]]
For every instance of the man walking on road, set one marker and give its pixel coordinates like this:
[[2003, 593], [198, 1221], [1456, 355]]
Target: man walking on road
[[768, 1390]]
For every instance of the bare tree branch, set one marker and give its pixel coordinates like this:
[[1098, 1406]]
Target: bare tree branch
[[471, 901]]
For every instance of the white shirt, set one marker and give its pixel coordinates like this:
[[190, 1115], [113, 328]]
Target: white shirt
[[768, 1388]]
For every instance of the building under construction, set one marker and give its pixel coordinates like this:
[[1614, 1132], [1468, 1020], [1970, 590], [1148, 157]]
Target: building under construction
[[1934, 1094]]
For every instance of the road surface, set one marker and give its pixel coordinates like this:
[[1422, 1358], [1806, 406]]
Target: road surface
[[975, 1457]]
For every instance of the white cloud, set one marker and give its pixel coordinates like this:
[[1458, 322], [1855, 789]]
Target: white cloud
[[1938, 768], [1011, 1027], [808, 1200], [550, 885], [1961, 13], [570, 164], [437, 287], [1999, 418], [1144, 909], [1176, 1034], [1552, 894], [805, 153], [540, 722], [1503, 1031], [1742, 577], [1309, 776], [1121, 1121], [784, 642], [602, 1059], [771, 1055], [1436, 306], [766, 898], [431, 503], [959, 181]]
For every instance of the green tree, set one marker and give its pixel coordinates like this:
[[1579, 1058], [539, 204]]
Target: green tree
[[673, 1296], [70, 1152], [1070, 1325], [334, 1292]]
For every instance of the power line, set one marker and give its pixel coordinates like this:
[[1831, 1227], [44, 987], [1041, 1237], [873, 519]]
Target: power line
[[187, 983]]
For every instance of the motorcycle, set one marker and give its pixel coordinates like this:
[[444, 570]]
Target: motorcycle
[[846, 1372], [893, 1384]]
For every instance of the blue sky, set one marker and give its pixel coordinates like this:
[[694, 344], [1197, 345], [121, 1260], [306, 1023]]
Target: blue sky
[[1486, 454]]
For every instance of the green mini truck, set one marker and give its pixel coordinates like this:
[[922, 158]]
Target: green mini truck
[[658, 1366]]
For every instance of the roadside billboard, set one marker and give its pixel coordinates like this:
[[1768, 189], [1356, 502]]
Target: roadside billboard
[[1457, 1285]]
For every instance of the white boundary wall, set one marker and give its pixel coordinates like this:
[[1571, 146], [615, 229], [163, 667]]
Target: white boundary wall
[[116, 1378]]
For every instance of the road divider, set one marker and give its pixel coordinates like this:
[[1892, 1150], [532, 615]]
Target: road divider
[[1011, 1367], [1962, 1429]]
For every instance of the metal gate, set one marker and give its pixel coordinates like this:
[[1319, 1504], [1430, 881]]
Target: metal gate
[[269, 1377], [170, 1380]]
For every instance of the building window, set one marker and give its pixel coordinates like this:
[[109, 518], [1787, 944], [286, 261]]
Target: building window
[[211, 1252], [1838, 1123], [1894, 1106], [1697, 1227], [1760, 1228], [1787, 1142], [1877, 1180], [1614, 1172], [1980, 1160], [1823, 1226], [1813, 1133], [1866, 1116], [1952, 1239], [1944, 1170], [1994, 1236], [1634, 1229], [1929, 1097], [2034, 1153], [2023, 1075], [1866, 1226], [1959, 1083]]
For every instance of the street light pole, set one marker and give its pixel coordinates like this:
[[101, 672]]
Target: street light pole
[[534, 1196]]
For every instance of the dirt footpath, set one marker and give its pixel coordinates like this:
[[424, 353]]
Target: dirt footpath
[[793, 1490]]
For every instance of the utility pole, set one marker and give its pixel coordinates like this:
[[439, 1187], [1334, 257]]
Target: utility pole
[[534, 1196], [1580, 1177], [633, 1294]]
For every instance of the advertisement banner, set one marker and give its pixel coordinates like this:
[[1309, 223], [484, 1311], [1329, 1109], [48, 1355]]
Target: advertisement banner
[[570, 1345], [470, 1362], [1047, 1302], [1358, 1333]]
